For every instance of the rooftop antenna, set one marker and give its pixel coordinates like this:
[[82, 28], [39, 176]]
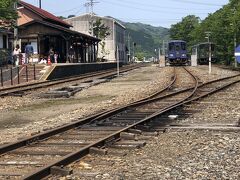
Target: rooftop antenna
[[90, 3]]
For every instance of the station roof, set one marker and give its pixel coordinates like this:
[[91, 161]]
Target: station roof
[[44, 14], [61, 28]]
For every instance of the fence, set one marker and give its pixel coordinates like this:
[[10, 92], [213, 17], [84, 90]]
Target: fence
[[16, 75]]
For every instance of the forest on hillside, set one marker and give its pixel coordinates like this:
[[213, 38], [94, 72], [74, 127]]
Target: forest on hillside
[[223, 26]]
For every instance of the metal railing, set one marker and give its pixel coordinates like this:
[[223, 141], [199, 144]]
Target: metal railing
[[17, 75]]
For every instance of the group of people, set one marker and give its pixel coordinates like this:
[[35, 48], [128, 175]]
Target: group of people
[[17, 56], [52, 55]]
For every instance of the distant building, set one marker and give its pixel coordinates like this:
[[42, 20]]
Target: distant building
[[114, 40]]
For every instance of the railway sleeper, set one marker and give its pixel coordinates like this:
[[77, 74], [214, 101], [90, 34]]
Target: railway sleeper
[[135, 131], [60, 171], [128, 144], [128, 136], [99, 151]]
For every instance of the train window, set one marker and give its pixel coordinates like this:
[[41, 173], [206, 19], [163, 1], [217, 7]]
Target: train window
[[171, 46], [178, 47], [183, 46], [212, 47]]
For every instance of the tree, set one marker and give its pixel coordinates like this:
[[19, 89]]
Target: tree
[[8, 14], [224, 27], [183, 29], [62, 17], [70, 16], [102, 32]]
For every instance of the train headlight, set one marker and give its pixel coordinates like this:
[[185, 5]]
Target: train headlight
[[184, 55], [171, 55]]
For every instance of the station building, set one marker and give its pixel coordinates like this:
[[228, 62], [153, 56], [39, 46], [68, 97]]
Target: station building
[[4, 36], [116, 39], [44, 31], [5, 46]]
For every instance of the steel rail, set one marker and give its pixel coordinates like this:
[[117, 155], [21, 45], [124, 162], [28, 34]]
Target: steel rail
[[44, 135], [45, 171], [85, 150], [47, 83]]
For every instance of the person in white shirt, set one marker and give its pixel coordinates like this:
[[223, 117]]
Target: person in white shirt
[[16, 55]]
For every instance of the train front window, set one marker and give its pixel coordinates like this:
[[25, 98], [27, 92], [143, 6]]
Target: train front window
[[183, 46], [171, 47], [178, 47]]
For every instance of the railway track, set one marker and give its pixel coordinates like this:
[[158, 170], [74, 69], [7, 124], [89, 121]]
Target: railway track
[[33, 158], [22, 89]]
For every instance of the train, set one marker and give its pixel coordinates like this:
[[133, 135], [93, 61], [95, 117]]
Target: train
[[201, 51], [177, 53]]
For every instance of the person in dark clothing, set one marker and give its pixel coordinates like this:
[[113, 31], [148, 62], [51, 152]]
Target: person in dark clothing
[[51, 55], [28, 52]]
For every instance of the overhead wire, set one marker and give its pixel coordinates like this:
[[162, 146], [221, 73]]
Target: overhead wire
[[163, 7], [69, 10], [145, 9], [195, 2]]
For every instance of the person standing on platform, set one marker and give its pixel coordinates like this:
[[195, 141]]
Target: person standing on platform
[[28, 52], [71, 54], [55, 57], [16, 55], [51, 55]]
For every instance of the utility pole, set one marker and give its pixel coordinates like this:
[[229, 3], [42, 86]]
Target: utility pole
[[163, 46], [40, 4], [15, 33], [117, 62], [235, 35], [90, 4], [134, 45], [129, 48], [209, 51], [159, 53]]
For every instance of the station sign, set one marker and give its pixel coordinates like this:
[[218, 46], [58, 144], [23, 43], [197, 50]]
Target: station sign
[[237, 53]]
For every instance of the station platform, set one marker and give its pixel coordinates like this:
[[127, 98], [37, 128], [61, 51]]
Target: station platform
[[58, 71], [39, 72]]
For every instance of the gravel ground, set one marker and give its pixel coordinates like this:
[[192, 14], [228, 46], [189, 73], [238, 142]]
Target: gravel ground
[[22, 116], [171, 155], [179, 154], [220, 108]]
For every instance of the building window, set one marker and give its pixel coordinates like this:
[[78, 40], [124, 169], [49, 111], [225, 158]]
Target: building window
[[4, 42]]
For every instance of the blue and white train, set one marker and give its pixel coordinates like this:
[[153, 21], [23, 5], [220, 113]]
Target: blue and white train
[[177, 53]]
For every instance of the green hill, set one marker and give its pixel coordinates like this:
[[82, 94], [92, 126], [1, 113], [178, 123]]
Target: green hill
[[147, 38]]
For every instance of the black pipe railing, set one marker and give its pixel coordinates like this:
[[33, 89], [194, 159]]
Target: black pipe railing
[[12, 76]]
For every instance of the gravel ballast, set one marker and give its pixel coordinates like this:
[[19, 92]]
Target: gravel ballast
[[175, 154]]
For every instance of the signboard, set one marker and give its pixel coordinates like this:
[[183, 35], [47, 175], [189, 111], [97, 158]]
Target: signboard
[[237, 53]]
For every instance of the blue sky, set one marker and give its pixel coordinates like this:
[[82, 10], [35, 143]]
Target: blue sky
[[154, 12]]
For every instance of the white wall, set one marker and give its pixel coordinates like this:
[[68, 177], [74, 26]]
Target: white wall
[[81, 23]]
